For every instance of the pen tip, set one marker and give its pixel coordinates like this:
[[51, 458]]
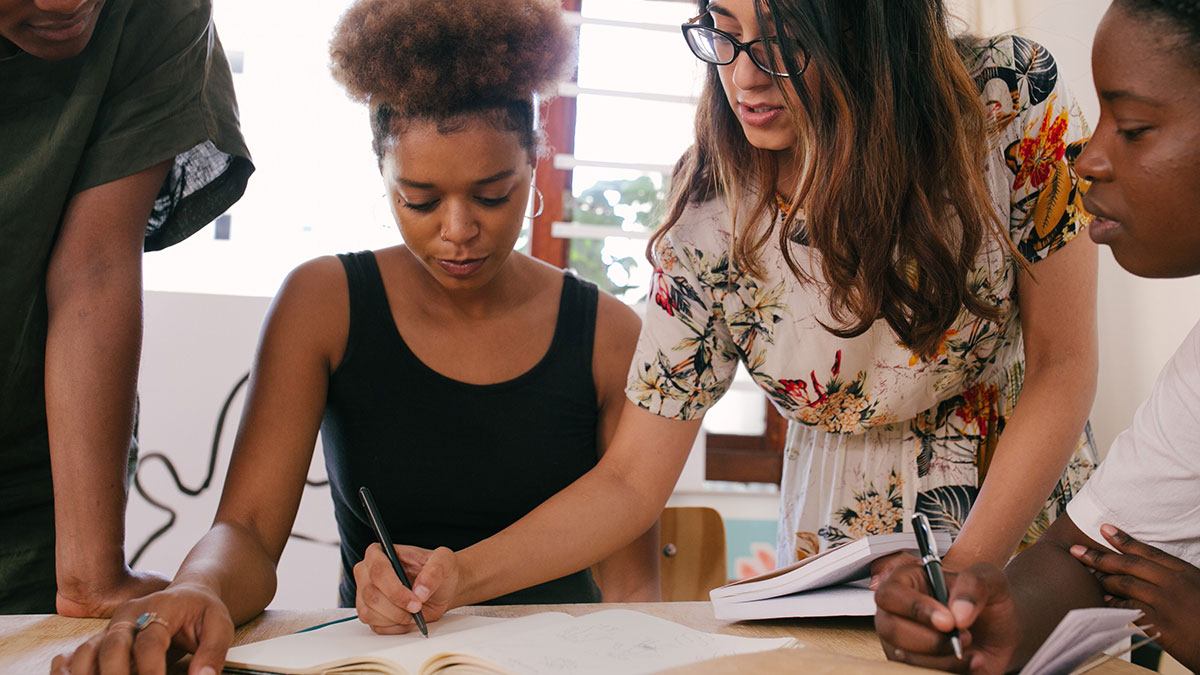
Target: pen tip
[[958, 652]]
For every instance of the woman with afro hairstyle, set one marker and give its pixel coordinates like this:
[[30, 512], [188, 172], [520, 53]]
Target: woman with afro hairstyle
[[463, 382]]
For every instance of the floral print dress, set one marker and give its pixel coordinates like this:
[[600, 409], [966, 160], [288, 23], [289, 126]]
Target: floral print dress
[[875, 433]]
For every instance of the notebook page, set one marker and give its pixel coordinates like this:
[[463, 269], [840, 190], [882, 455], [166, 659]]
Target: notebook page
[[353, 639], [614, 641], [1081, 634]]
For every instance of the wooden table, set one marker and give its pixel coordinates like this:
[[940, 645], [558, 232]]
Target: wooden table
[[841, 645]]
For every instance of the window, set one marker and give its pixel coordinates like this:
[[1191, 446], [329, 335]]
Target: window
[[616, 133]]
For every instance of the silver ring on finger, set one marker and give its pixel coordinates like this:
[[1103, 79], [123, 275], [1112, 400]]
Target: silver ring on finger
[[148, 619]]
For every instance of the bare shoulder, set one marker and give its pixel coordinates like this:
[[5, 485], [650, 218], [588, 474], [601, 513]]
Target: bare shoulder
[[319, 283], [617, 329], [616, 322], [313, 307]]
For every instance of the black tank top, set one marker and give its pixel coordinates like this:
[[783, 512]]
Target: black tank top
[[451, 463]]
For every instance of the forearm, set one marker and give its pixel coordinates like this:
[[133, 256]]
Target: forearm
[[563, 535], [92, 349], [1047, 582], [231, 563], [1029, 459], [632, 573]]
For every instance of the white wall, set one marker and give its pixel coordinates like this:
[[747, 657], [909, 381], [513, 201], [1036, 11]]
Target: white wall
[[196, 348]]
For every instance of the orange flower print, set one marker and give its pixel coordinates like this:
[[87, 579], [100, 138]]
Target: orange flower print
[[807, 545], [1039, 153], [941, 350]]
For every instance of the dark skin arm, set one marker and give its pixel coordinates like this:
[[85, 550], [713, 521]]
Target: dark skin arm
[[1001, 617], [94, 298], [1165, 588]]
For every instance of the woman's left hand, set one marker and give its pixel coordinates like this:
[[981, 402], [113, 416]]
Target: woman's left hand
[[1165, 588]]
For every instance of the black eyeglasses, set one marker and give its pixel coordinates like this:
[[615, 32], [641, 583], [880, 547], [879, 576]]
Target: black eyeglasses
[[720, 48]]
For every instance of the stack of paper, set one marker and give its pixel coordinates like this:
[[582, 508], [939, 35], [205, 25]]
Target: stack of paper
[[1081, 635]]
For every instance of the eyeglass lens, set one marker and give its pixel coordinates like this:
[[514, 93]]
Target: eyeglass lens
[[714, 47]]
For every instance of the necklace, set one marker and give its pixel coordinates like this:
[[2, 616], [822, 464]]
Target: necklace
[[800, 235]]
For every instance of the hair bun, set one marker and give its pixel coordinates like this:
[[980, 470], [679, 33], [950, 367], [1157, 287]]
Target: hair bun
[[439, 56]]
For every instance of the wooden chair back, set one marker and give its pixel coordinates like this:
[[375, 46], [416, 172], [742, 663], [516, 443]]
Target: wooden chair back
[[692, 540]]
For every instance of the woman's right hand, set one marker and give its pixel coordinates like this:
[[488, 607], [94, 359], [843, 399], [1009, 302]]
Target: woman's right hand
[[187, 617], [384, 604]]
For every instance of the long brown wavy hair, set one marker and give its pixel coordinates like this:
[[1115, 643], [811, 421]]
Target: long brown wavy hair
[[892, 141]]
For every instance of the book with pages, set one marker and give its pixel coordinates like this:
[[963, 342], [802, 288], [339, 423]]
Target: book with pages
[[831, 583]]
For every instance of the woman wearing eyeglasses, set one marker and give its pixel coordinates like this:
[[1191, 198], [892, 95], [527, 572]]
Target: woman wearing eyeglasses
[[866, 222]]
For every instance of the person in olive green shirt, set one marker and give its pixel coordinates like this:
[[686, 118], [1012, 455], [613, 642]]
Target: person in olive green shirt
[[118, 133]]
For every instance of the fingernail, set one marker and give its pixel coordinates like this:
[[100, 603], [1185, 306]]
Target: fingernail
[[944, 615], [413, 607], [1108, 598], [422, 592], [874, 582], [208, 670], [961, 610], [1108, 530], [1078, 550]]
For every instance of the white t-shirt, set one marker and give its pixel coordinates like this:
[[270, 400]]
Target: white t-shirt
[[1149, 485]]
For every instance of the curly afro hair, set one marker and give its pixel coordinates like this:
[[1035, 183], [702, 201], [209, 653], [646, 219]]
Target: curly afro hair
[[439, 59]]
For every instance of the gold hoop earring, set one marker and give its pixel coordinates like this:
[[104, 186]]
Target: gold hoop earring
[[541, 202]]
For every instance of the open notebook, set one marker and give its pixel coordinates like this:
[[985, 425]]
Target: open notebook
[[610, 641]]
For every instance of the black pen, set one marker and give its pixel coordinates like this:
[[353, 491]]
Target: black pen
[[385, 540], [933, 570]]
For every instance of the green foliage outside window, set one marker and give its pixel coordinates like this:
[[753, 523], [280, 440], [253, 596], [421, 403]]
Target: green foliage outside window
[[597, 205]]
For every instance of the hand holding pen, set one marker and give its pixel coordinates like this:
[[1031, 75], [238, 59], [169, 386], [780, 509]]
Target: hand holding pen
[[933, 570], [385, 541], [979, 621]]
